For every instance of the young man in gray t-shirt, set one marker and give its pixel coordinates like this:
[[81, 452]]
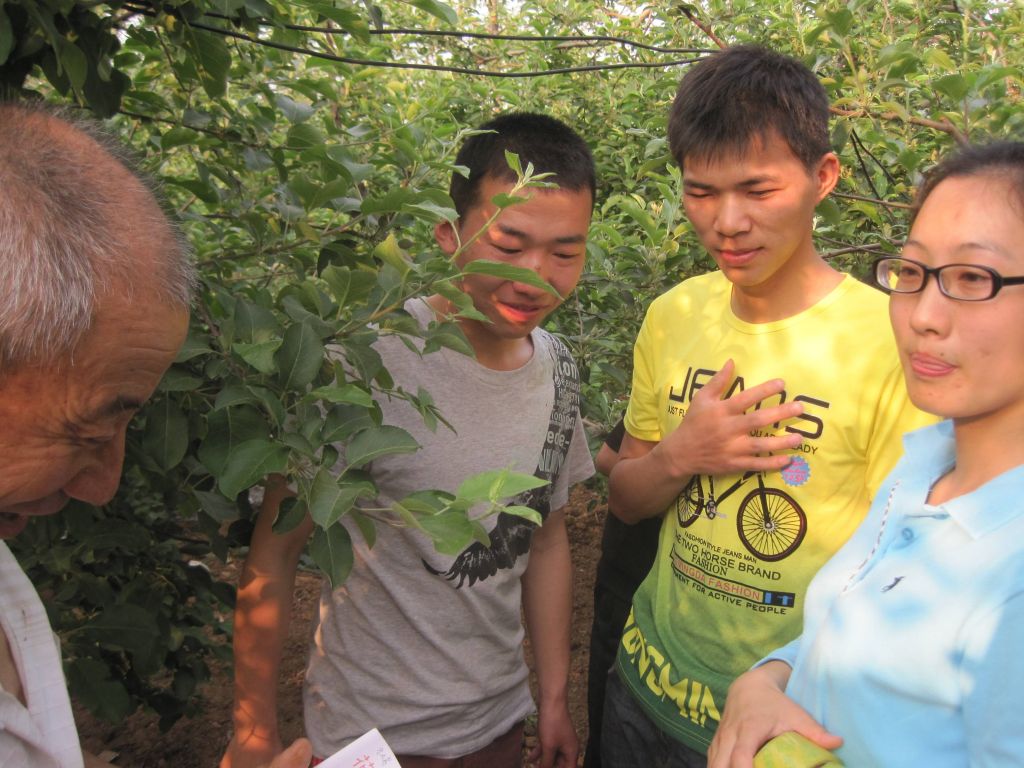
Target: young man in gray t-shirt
[[423, 646]]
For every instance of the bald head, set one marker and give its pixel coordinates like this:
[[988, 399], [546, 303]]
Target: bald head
[[77, 222]]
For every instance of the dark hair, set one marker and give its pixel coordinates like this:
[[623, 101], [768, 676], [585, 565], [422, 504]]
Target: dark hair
[[743, 93], [551, 145], [999, 158]]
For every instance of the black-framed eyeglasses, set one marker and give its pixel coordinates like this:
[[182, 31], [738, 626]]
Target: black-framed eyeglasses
[[963, 282]]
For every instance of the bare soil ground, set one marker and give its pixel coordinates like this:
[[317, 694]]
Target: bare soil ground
[[199, 742]]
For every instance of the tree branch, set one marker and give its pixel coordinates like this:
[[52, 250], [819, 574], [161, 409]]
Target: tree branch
[[884, 203], [433, 67], [944, 125], [704, 27]]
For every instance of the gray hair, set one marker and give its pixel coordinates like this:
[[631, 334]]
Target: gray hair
[[66, 235]]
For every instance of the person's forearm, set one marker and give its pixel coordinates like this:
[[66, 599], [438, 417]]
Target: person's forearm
[[643, 487], [262, 617], [776, 671], [547, 605]]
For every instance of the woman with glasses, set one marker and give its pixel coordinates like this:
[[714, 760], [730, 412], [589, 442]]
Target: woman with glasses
[[912, 652]]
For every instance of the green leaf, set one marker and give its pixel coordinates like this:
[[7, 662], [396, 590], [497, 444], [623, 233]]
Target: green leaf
[[451, 531], [213, 59], [227, 7], [495, 485], [304, 136], [295, 111], [300, 356], [290, 513], [271, 403], [433, 211], [513, 162], [91, 683], [360, 354], [299, 444], [525, 512], [447, 335], [345, 393], [937, 57], [216, 506], [261, 356], [227, 429], [194, 346], [829, 211], [177, 380], [367, 527], [375, 442], [74, 63], [438, 9], [250, 462], [392, 202], [233, 394], [840, 21], [342, 421], [347, 19], [166, 435], [6, 36], [954, 86], [391, 253], [509, 272], [330, 500], [505, 200], [125, 626], [331, 550], [177, 137], [347, 286]]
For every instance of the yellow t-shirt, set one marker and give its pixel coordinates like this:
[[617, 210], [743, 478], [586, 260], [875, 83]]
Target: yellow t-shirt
[[737, 551]]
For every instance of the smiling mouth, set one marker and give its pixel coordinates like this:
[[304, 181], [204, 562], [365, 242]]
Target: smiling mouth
[[520, 311]]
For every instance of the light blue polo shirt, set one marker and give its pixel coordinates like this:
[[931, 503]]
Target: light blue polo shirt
[[913, 641]]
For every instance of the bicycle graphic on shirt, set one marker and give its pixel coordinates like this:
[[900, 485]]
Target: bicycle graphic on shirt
[[770, 523]]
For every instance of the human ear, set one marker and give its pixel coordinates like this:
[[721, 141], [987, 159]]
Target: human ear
[[447, 236], [827, 174]]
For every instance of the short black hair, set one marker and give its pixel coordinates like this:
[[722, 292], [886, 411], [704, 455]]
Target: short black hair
[[741, 94], [551, 145], [998, 158]]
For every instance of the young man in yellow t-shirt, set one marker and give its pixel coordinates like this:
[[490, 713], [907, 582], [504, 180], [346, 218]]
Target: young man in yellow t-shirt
[[766, 408]]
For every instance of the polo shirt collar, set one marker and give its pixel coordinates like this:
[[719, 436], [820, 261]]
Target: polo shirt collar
[[981, 512]]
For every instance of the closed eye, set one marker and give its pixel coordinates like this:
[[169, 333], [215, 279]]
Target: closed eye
[[92, 441]]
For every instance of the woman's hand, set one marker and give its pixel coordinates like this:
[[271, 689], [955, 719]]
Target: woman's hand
[[756, 710]]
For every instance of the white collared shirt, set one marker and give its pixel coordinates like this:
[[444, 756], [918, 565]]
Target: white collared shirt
[[41, 734]]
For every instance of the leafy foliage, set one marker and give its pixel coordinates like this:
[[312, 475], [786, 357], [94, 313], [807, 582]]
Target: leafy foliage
[[308, 171]]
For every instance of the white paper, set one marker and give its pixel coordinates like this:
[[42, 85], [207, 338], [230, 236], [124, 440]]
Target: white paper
[[368, 751]]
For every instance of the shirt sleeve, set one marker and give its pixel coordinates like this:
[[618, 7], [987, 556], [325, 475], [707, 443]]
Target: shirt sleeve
[[786, 654], [642, 411], [579, 466]]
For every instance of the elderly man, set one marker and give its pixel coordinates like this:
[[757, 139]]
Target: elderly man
[[94, 294]]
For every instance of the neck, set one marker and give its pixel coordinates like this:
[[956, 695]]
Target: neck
[[787, 293], [491, 351], [985, 448]]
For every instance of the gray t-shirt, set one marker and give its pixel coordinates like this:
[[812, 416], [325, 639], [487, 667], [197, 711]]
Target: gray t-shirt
[[428, 647]]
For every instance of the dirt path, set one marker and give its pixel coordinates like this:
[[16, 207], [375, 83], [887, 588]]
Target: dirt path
[[199, 743]]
